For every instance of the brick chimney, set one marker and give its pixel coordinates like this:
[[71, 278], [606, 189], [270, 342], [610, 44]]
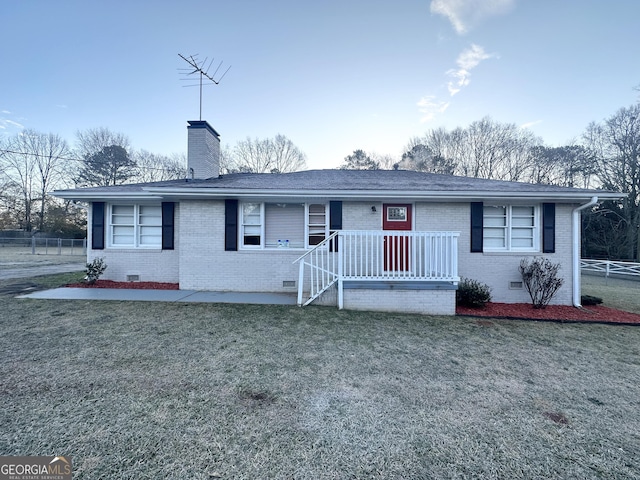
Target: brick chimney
[[203, 150]]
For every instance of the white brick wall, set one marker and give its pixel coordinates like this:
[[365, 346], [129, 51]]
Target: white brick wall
[[200, 261], [358, 216], [203, 151], [426, 302], [498, 269], [205, 265], [152, 265]]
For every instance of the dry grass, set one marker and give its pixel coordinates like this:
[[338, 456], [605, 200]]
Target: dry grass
[[14, 257], [193, 391], [620, 293]]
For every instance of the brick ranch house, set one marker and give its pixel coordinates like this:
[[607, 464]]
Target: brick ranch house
[[375, 240]]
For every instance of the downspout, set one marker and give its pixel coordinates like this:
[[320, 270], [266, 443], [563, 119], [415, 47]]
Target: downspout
[[577, 287]]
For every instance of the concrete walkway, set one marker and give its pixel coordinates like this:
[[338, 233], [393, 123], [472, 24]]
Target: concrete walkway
[[189, 296]]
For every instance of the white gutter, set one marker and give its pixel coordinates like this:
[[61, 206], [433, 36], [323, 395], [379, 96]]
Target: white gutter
[[577, 282]]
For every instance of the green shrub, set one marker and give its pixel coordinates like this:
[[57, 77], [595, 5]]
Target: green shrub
[[472, 293], [95, 268], [587, 300], [540, 278]]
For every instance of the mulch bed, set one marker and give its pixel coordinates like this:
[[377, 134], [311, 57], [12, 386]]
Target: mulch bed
[[558, 313], [133, 285]]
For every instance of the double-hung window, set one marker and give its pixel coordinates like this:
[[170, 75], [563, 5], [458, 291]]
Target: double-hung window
[[135, 226], [251, 225], [510, 228], [282, 225]]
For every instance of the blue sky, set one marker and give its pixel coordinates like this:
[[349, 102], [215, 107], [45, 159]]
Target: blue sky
[[333, 76]]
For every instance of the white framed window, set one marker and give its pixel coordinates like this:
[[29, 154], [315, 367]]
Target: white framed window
[[317, 224], [283, 225], [512, 228], [251, 225], [135, 226]]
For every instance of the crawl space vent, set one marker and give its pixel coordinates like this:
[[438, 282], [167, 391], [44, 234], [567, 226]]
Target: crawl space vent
[[288, 283], [133, 278], [515, 285]]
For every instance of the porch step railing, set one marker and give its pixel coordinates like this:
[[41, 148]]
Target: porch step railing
[[364, 255], [322, 264]]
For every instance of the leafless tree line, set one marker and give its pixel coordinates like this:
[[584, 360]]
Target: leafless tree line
[[501, 151], [607, 156], [32, 164]]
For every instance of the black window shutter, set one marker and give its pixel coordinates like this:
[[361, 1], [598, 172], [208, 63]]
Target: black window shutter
[[231, 225], [168, 210], [335, 215], [97, 226], [548, 227], [476, 226], [335, 221]]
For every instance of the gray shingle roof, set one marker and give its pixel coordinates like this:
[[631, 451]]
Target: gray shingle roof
[[337, 181]]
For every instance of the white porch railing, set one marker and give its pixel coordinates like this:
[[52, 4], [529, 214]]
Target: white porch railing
[[396, 256], [609, 267]]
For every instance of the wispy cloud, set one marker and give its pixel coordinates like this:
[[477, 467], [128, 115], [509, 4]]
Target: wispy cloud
[[5, 123], [465, 14], [62, 106], [6, 112], [530, 124], [429, 107], [467, 60]]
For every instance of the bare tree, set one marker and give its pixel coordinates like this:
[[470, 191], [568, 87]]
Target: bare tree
[[615, 144], [286, 156], [429, 154], [33, 164], [277, 155], [497, 150], [485, 149], [152, 167], [385, 161], [567, 166], [92, 140]]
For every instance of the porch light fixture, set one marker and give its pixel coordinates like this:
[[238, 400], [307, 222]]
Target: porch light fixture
[[373, 209]]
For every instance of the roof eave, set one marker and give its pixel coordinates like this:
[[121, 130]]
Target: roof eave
[[193, 193], [80, 195]]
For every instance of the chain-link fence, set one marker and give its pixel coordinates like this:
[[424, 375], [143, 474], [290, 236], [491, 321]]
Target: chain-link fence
[[47, 246]]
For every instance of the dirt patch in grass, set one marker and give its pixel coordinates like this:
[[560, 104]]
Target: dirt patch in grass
[[562, 313], [134, 285]]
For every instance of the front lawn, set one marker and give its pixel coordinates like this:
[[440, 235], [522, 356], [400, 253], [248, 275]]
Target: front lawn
[[200, 391]]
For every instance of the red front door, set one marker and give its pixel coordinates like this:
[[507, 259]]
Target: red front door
[[396, 248]]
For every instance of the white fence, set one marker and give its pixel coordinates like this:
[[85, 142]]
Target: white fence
[[47, 246], [608, 267]]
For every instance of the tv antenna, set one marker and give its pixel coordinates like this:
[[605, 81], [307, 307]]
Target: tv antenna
[[197, 67]]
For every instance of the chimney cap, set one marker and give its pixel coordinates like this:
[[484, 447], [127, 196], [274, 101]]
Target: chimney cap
[[202, 124]]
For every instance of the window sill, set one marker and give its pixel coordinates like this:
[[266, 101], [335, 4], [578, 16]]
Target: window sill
[[496, 253], [133, 249], [296, 250]]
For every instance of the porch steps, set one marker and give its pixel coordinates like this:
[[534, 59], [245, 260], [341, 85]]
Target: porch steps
[[316, 295]]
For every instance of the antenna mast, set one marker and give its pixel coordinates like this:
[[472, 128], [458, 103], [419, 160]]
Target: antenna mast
[[198, 68]]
